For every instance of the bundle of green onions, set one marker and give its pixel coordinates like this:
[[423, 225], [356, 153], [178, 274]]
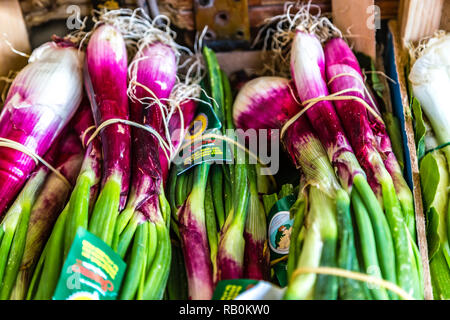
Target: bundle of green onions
[[34, 129], [329, 84], [107, 164], [429, 78], [130, 129], [219, 216]]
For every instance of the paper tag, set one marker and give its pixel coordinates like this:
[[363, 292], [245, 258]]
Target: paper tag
[[197, 147], [92, 270], [230, 289], [263, 290]]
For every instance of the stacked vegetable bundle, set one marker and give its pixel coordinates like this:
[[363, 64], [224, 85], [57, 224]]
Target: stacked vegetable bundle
[[429, 78], [332, 105], [129, 131], [218, 213], [34, 124], [103, 163]]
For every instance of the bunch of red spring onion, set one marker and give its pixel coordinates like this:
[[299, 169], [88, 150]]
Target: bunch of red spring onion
[[217, 208], [103, 163], [327, 101], [129, 129], [34, 130]]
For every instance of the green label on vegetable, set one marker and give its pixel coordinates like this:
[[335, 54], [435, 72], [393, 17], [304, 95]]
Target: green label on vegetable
[[92, 270], [202, 142], [279, 235], [280, 225], [230, 289]]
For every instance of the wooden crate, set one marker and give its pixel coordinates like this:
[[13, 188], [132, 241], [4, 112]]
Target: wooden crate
[[182, 14], [410, 20], [37, 12], [234, 61], [416, 19]]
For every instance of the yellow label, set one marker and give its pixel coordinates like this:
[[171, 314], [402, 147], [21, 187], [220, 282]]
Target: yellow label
[[96, 255]]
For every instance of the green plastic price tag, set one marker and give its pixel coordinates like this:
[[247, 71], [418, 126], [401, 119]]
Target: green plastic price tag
[[198, 147], [230, 289], [92, 270]]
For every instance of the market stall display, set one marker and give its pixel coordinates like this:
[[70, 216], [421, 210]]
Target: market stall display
[[142, 163]]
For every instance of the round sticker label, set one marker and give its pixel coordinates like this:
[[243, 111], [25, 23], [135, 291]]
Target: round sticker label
[[280, 228]]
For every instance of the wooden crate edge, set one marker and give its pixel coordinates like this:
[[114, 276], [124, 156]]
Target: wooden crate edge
[[401, 58]]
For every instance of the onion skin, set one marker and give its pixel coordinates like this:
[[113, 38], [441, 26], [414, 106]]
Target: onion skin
[[92, 160], [262, 103], [83, 122], [230, 256], [230, 268], [41, 101], [194, 238], [344, 55], [188, 108], [106, 66], [196, 253], [308, 70], [154, 67], [256, 258], [250, 113], [46, 209], [340, 59]]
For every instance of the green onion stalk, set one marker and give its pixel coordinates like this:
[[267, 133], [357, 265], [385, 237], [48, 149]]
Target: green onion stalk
[[154, 65], [193, 200], [45, 211], [256, 252], [109, 86], [325, 121], [325, 216], [22, 219], [396, 198], [388, 139], [189, 196], [322, 233], [16, 221], [177, 283], [143, 218], [194, 238], [212, 202], [230, 251], [273, 95], [230, 257], [313, 75], [389, 133], [74, 215], [149, 254], [135, 222], [106, 86]]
